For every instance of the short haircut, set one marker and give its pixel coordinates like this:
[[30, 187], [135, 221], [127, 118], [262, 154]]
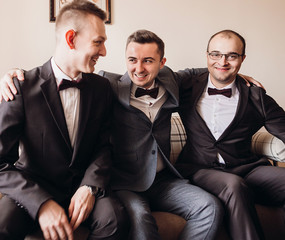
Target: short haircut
[[229, 34], [77, 9], [145, 36]]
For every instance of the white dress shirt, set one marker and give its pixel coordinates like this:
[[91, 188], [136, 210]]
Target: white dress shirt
[[150, 106], [218, 111], [70, 99]]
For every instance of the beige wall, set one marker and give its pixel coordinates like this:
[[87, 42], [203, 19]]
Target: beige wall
[[27, 37]]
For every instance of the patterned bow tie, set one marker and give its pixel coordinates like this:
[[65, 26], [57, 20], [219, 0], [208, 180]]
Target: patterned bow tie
[[226, 92], [64, 84], [151, 92]]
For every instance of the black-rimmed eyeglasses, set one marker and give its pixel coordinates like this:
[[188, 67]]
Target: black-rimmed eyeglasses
[[228, 56]]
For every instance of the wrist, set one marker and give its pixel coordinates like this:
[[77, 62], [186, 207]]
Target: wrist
[[95, 191]]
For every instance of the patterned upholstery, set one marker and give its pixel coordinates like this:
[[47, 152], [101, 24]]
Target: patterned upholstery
[[178, 137], [265, 144]]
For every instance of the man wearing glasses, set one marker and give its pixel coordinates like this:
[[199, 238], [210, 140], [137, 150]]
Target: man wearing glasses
[[220, 115]]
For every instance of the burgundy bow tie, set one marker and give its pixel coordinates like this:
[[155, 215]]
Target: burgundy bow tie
[[64, 84], [151, 92], [226, 92]]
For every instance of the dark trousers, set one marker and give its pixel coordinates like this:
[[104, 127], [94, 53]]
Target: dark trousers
[[108, 220], [262, 184]]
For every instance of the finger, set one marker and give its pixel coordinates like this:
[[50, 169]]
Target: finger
[[71, 209], [6, 84], [74, 217], [68, 230], [6, 97], [20, 74], [60, 226], [61, 232], [53, 233], [8, 94], [245, 79], [258, 84], [11, 88], [16, 72], [78, 221], [1, 96], [46, 234], [9, 84]]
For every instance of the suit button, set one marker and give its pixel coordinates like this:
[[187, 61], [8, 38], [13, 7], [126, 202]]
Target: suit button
[[153, 151]]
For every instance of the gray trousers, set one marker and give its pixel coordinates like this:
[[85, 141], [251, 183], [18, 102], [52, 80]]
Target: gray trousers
[[201, 210]]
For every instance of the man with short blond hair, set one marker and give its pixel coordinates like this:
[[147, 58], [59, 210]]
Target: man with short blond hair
[[61, 120]]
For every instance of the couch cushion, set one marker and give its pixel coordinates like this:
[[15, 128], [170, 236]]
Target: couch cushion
[[178, 137], [265, 144], [169, 225]]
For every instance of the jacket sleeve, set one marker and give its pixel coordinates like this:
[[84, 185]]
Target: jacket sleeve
[[15, 183], [273, 114], [184, 77]]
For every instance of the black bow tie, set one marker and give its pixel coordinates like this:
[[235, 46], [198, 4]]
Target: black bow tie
[[64, 84], [151, 92], [226, 92]]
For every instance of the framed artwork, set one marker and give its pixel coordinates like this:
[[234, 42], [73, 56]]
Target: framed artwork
[[55, 5]]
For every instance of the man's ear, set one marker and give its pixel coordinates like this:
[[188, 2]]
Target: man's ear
[[69, 37], [162, 62]]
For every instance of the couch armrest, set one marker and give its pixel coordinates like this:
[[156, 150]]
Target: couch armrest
[[265, 144]]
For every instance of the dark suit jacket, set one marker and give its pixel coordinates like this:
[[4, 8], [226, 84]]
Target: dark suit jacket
[[255, 109], [48, 167], [135, 138]]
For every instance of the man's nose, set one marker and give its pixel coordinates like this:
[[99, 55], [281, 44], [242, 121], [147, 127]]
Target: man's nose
[[103, 50], [223, 60], [139, 67]]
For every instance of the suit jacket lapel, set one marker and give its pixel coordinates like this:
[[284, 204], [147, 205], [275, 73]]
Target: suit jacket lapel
[[84, 111], [241, 107], [124, 90], [198, 90], [49, 90], [124, 95]]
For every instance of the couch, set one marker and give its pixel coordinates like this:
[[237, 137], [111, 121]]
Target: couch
[[170, 225]]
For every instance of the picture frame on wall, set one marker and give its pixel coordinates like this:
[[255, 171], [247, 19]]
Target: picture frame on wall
[[55, 5]]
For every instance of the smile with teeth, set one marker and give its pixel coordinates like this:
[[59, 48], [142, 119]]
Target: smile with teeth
[[95, 60], [140, 75]]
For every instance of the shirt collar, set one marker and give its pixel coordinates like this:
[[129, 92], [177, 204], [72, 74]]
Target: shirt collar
[[134, 87], [232, 86], [59, 75]]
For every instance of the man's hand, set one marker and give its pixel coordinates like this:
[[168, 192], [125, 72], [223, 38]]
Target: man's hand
[[7, 87], [81, 205], [54, 222], [249, 79]]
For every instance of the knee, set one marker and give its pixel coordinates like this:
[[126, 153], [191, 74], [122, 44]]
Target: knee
[[211, 206], [15, 222], [110, 221], [138, 210], [234, 189]]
